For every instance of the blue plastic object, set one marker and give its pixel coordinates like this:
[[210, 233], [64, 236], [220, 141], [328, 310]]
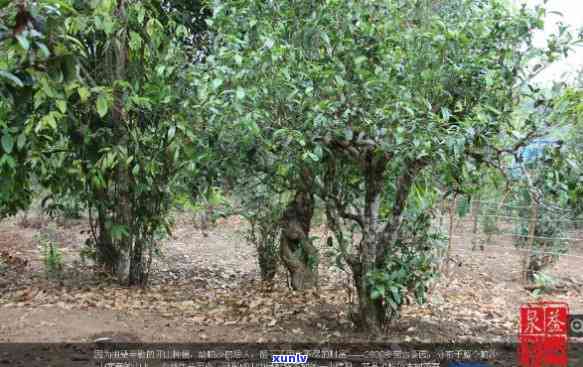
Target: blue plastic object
[[466, 364]]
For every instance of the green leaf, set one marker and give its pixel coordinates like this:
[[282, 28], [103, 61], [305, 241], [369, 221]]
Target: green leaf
[[318, 152], [176, 154], [348, 135], [377, 292], [313, 156], [396, 294], [8, 161], [141, 14], [282, 169], [84, 93], [171, 132], [108, 25], [13, 78], [160, 70], [240, 93], [135, 41], [49, 121], [21, 141], [7, 143], [47, 89], [269, 42], [44, 50], [23, 41], [492, 109], [359, 60], [445, 114], [216, 83], [119, 231], [62, 106], [102, 106], [152, 27]]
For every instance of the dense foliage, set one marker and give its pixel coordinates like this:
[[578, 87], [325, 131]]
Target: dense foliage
[[368, 97], [103, 119]]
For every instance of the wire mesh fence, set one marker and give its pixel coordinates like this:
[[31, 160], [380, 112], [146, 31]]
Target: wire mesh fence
[[528, 238]]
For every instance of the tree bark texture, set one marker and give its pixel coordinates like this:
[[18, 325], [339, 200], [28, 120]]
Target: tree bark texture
[[298, 254]]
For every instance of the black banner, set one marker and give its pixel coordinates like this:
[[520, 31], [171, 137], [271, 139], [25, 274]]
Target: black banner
[[106, 354]]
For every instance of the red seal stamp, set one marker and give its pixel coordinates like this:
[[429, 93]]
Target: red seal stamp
[[543, 335]]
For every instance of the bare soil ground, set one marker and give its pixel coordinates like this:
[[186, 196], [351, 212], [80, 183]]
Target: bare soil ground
[[207, 289]]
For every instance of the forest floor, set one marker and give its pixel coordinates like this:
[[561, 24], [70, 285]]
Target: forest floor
[[207, 289]]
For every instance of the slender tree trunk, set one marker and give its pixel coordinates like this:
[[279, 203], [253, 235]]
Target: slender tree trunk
[[527, 268], [476, 216], [298, 254], [107, 255], [132, 245], [137, 271], [452, 208]]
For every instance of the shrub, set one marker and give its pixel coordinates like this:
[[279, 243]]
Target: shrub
[[264, 212], [51, 255]]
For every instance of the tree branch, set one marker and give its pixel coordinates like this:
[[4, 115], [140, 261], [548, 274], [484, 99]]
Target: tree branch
[[404, 184]]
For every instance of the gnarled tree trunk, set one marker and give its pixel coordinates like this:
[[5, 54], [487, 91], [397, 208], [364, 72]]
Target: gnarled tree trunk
[[298, 254]]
